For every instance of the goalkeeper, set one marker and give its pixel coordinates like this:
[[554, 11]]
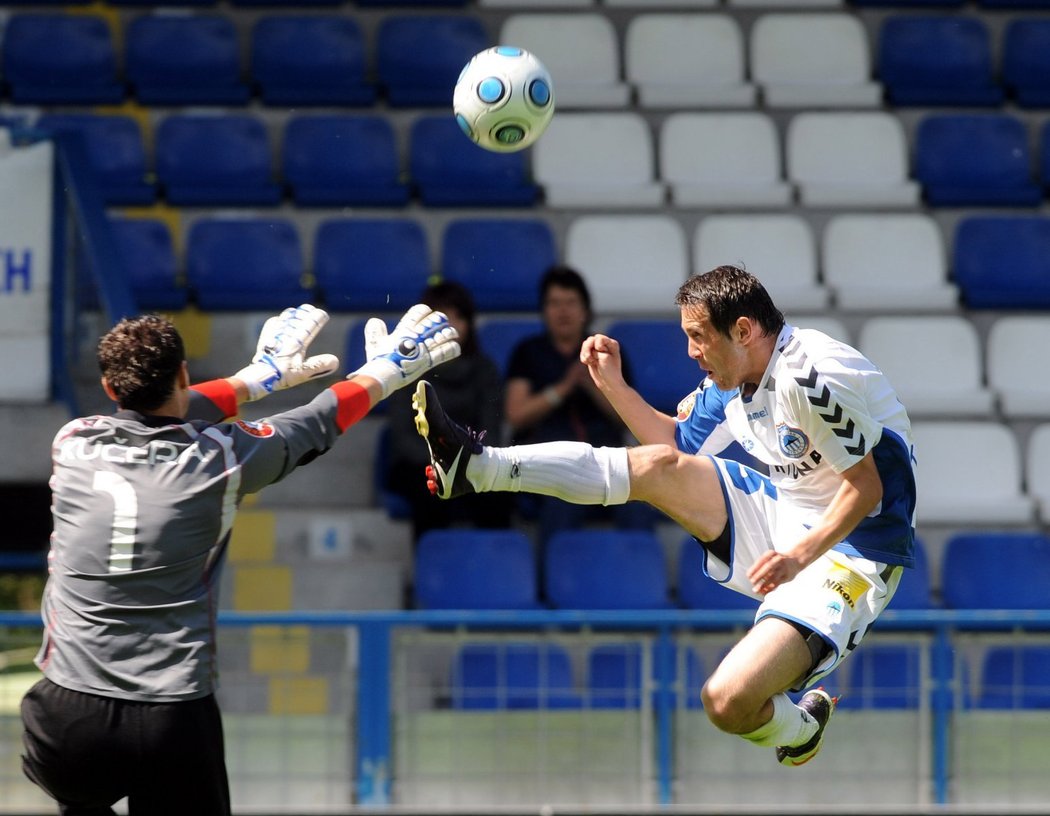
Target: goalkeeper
[[143, 503]]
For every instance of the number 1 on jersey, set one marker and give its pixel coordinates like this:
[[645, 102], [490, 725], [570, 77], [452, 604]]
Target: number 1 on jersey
[[125, 512]]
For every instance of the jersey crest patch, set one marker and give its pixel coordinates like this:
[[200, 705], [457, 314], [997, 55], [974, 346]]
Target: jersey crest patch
[[261, 429], [793, 443], [685, 407]]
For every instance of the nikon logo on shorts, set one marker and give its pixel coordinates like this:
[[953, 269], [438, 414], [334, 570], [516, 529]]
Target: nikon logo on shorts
[[846, 583]]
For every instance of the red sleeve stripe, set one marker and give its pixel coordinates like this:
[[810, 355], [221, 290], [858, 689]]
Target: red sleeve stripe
[[221, 393], [354, 403]]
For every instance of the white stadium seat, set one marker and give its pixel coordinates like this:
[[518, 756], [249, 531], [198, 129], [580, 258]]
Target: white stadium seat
[[850, 159], [1037, 469], [831, 326], [934, 363], [687, 60], [887, 262], [779, 249], [729, 159], [1018, 366], [634, 263], [597, 160]]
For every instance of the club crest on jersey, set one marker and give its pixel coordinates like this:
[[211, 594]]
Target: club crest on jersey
[[793, 443], [685, 407], [260, 429]]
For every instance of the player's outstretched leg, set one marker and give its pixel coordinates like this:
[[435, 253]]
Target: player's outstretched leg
[[819, 705], [451, 445]]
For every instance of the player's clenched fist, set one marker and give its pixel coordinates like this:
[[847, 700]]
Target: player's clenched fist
[[421, 340]]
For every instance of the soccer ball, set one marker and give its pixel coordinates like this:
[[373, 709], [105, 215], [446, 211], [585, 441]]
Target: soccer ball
[[504, 99]]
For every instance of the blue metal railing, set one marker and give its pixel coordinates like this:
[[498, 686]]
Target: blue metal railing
[[373, 762]]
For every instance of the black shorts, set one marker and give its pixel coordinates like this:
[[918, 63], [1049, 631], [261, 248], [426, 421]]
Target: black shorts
[[89, 751]]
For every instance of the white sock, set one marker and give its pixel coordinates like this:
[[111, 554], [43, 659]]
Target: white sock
[[788, 726], [573, 471]]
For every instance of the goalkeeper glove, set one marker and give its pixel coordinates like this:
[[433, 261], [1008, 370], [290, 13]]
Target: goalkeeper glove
[[421, 340], [279, 360]]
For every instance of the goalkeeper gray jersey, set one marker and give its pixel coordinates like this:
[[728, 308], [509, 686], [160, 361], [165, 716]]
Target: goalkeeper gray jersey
[[143, 508]]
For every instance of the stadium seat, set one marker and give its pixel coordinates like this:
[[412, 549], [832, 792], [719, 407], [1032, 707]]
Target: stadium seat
[[605, 569], [513, 675], [419, 56], [1037, 468], [499, 260], [996, 570], [947, 379], [310, 60], [882, 675], [985, 495], [343, 160], [615, 671], [616, 251], [475, 569], [371, 265], [1026, 61], [813, 60], [937, 60], [581, 51], [245, 264], [915, 590], [831, 326], [449, 170], [661, 369], [1015, 677], [697, 591], [1003, 262], [146, 248], [598, 161], [215, 160], [779, 249], [60, 59], [887, 262], [174, 59], [115, 150], [850, 159], [395, 505], [498, 337], [1019, 376], [687, 60], [739, 165], [975, 160]]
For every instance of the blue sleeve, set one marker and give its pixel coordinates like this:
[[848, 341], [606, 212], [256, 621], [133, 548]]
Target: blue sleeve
[[701, 420]]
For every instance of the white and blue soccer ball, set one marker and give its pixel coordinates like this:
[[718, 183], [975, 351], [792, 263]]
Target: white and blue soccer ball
[[504, 99]]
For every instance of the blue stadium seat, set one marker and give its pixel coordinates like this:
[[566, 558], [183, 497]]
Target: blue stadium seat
[[1015, 677], [913, 591], [498, 337], [697, 591], [245, 264], [661, 370], [1044, 157], [449, 170], [56, 59], [996, 570], [605, 569], [513, 676], [1003, 262], [1026, 61], [500, 260], [342, 160], [883, 676], [614, 673], [310, 60], [965, 160], [115, 150], [184, 60], [937, 60], [149, 257], [420, 56], [371, 265], [475, 569], [215, 160]]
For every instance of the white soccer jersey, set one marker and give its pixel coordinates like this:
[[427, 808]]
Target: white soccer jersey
[[819, 408]]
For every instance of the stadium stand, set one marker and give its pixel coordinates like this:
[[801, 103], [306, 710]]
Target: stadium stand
[[1026, 61], [1003, 261], [1021, 378], [884, 676], [513, 676], [1014, 677], [1037, 468], [615, 673], [146, 248], [696, 590], [500, 335], [661, 370], [980, 570]]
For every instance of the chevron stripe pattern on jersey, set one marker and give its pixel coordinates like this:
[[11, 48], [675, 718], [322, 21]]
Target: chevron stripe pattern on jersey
[[819, 395]]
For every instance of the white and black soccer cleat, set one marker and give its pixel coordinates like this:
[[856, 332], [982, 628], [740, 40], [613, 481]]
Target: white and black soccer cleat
[[450, 444], [819, 705]]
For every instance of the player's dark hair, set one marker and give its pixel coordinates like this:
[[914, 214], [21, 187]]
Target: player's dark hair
[[565, 277], [140, 358], [447, 295], [728, 292]]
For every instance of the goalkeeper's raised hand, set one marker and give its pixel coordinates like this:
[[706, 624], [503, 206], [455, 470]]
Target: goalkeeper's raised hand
[[280, 359], [421, 340]]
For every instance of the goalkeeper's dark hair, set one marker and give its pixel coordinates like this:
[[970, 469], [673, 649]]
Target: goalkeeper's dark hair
[[140, 358], [729, 292], [446, 295]]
